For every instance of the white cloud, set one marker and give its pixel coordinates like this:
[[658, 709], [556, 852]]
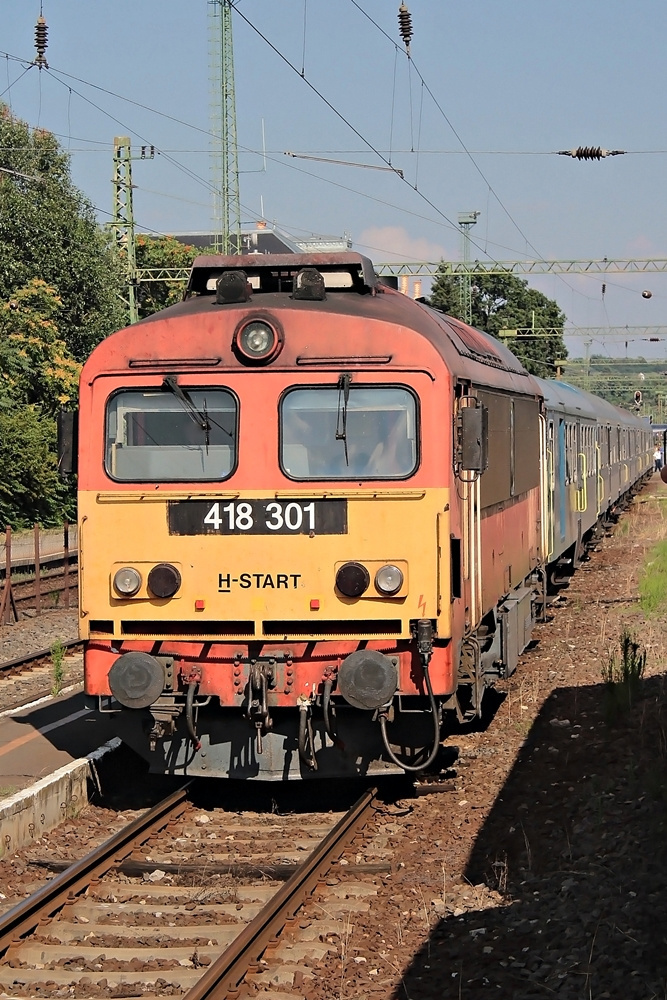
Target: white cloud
[[394, 243]]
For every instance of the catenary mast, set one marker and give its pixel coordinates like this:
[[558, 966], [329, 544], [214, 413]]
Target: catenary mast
[[224, 151]]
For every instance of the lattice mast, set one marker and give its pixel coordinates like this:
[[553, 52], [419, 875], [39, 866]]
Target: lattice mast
[[122, 224], [466, 221], [224, 147], [122, 217]]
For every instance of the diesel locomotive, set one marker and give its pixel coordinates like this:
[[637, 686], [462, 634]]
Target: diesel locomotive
[[316, 515]]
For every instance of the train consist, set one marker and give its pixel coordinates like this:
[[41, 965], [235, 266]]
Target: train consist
[[316, 515]]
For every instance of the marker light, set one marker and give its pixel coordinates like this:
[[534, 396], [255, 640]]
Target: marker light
[[164, 580], [257, 341], [352, 579], [127, 581], [389, 579]]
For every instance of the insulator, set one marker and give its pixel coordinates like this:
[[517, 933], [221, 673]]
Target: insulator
[[587, 153], [590, 152], [41, 41], [405, 25]]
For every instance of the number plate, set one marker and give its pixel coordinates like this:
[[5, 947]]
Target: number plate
[[258, 517]]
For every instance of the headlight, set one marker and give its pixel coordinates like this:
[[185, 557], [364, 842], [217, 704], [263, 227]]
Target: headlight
[[164, 580], [127, 581], [389, 580], [257, 341], [352, 579]]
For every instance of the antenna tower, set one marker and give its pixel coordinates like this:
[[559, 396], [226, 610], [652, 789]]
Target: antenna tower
[[224, 151]]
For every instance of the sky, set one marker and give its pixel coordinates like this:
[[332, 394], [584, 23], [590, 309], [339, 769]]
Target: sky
[[493, 89]]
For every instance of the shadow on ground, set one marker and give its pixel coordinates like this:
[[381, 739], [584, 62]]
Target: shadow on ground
[[576, 844]]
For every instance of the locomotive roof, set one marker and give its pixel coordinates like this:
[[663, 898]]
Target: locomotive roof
[[351, 289]]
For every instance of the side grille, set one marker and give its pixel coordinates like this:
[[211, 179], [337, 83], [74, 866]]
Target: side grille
[[371, 626], [201, 628]]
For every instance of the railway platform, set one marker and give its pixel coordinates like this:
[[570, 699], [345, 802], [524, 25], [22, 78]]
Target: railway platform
[[47, 754]]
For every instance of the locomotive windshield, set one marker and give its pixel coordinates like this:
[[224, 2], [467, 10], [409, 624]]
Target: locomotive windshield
[[362, 433], [155, 436]]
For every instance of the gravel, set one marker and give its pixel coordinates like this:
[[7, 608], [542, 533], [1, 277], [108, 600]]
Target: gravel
[[31, 634], [543, 870]]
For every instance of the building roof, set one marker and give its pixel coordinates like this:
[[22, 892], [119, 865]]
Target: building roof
[[262, 239]]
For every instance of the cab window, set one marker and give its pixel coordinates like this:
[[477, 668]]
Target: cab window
[[358, 432], [161, 436]]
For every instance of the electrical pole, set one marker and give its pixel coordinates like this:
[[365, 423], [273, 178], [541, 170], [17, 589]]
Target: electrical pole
[[122, 223], [224, 152], [466, 221]]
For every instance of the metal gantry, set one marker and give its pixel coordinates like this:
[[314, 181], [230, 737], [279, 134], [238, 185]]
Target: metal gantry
[[224, 151], [430, 269]]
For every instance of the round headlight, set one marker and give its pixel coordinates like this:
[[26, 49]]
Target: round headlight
[[164, 580], [389, 579], [127, 581], [352, 579], [257, 341]]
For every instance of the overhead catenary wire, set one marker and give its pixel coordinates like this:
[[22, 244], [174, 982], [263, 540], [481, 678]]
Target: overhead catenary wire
[[55, 73], [460, 140], [448, 222]]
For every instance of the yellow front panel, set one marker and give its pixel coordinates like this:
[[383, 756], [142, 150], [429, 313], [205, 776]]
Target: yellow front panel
[[265, 577]]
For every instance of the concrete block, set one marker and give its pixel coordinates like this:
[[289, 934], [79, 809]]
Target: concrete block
[[27, 815]]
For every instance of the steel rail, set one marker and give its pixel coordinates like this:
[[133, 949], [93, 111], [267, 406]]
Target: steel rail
[[25, 916], [8, 665], [226, 973]]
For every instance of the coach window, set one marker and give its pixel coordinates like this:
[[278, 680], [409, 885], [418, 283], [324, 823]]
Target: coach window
[[162, 436], [368, 432]]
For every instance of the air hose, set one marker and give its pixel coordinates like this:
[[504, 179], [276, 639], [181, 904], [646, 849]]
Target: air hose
[[306, 737], [436, 734], [425, 646], [189, 715], [329, 713]]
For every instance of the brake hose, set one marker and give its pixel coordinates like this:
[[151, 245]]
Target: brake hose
[[436, 727]]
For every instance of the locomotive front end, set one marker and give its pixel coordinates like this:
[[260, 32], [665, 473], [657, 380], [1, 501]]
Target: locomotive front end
[[264, 527]]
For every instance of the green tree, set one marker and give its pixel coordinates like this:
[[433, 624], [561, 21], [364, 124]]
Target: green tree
[[37, 376], [48, 231], [30, 487], [505, 302], [35, 365], [165, 251]]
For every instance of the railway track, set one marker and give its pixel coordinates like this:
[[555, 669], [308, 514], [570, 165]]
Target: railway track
[[185, 901], [56, 590], [19, 664]]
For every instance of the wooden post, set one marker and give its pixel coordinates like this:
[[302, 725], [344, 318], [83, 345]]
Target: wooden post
[[38, 578], [8, 605], [66, 560]]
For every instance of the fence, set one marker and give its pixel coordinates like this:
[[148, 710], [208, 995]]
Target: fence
[[27, 554]]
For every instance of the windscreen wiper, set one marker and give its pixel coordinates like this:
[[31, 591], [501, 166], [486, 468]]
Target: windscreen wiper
[[201, 419], [341, 416]]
